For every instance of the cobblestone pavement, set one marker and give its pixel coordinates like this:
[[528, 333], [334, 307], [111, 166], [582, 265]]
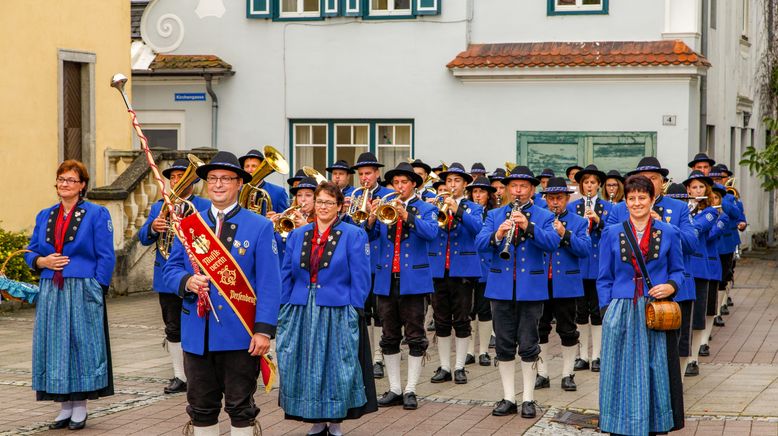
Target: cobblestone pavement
[[736, 392]]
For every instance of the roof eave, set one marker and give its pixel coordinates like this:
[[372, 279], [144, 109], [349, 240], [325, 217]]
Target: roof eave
[[189, 72]]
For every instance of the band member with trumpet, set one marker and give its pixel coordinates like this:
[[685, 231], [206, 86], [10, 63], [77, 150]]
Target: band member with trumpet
[[223, 343], [455, 271], [323, 341], [427, 175], [730, 240], [640, 385], [565, 283], [156, 229], [368, 171], [702, 163], [517, 235], [596, 211], [340, 175], [250, 162], [403, 278], [297, 215], [714, 265], [613, 191]]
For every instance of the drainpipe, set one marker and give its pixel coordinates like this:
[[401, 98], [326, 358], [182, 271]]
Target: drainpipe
[[214, 110], [704, 83]]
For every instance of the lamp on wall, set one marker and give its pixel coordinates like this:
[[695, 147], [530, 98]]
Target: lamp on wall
[[746, 118]]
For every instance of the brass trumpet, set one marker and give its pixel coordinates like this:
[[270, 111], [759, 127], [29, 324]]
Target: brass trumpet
[[442, 208], [359, 212], [387, 212], [254, 198], [181, 205], [285, 224]]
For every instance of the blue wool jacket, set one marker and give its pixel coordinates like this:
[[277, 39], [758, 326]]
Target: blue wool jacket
[[565, 260], [377, 192], [590, 265], [147, 237], [465, 226], [704, 221], [712, 244], [731, 238]]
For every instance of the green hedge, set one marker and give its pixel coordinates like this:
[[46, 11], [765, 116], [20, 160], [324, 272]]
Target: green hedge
[[16, 269]]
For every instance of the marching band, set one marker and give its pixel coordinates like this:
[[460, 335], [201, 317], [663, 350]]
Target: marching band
[[348, 274]]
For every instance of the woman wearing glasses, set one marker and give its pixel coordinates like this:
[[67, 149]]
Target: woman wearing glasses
[[72, 249], [323, 348]]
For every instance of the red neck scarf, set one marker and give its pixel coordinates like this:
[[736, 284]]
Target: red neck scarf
[[317, 248], [643, 245], [60, 228]]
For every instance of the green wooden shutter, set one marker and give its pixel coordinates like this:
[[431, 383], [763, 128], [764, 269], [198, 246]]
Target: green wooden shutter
[[259, 8], [329, 8], [351, 8]]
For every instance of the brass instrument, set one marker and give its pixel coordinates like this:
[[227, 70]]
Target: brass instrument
[[431, 178], [730, 185], [505, 254], [610, 197], [310, 172], [442, 208], [254, 198], [666, 186], [359, 211], [387, 212], [285, 223], [510, 166], [181, 205]]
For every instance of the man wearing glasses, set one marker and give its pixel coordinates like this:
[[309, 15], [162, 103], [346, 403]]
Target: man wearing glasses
[[222, 344]]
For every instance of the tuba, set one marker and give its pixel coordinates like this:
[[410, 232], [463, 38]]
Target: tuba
[[254, 198], [730, 185], [510, 166], [386, 212], [358, 211], [431, 178], [181, 205]]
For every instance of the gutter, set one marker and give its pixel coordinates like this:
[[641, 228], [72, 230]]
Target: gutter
[[214, 110]]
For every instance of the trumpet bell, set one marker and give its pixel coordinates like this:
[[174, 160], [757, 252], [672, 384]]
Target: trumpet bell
[[311, 172]]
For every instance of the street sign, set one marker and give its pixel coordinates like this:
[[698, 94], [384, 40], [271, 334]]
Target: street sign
[[190, 96]]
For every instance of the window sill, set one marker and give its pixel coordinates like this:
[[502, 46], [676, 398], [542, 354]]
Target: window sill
[[744, 42], [552, 13]]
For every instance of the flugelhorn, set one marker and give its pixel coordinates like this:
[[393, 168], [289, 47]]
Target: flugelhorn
[[439, 201], [183, 208], [285, 223], [254, 198], [386, 212], [359, 211]]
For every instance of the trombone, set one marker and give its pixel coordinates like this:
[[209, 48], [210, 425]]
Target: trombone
[[254, 198], [181, 205], [359, 212]]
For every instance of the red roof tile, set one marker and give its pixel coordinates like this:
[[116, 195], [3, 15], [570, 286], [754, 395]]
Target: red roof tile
[[578, 54], [188, 62]]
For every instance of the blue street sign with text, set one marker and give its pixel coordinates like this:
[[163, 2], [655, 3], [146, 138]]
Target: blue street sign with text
[[190, 96]]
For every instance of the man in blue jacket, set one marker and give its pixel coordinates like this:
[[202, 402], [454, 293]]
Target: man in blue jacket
[[250, 162], [156, 227], [517, 235]]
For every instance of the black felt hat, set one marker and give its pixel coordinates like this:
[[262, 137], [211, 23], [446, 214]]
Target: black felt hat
[[649, 164], [299, 175], [571, 168], [256, 154], [677, 191], [178, 165], [456, 169], [590, 169], [547, 172], [305, 183], [223, 160], [419, 164], [557, 185], [367, 159], [483, 183], [724, 170], [478, 168], [497, 175], [614, 174], [403, 169], [698, 175], [701, 157], [340, 165], [520, 172]]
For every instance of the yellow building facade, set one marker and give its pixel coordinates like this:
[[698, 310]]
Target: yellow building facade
[[55, 98]]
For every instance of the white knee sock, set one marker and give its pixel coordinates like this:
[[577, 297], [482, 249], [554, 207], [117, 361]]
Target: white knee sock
[[211, 430], [65, 411], [484, 333], [377, 355], [177, 357], [528, 373], [508, 377], [568, 360], [543, 361], [444, 351], [708, 330], [696, 342], [392, 362], [79, 411], [461, 351], [584, 341], [596, 341], [471, 342], [722, 299], [335, 429], [240, 431], [414, 372], [317, 428]]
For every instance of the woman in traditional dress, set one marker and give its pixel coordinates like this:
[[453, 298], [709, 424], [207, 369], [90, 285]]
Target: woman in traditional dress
[[637, 394], [72, 248], [323, 347]]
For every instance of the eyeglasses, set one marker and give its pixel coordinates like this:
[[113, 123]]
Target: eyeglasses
[[64, 181], [322, 203], [224, 180]]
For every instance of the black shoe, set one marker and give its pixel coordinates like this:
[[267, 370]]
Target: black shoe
[[77, 425], [596, 365], [492, 342], [692, 369], [729, 302], [460, 377], [724, 310], [718, 321], [470, 359], [176, 385], [542, 382], [409, 401], [431, 326], [56, 425], [389, 399], [378, 370], [704, 350], [528, 409], [568, 383], [441, 375], [484, 359], [505, 408], [580, 365]]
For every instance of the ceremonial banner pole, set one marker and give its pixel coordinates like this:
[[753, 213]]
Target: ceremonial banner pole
[[204, 300]]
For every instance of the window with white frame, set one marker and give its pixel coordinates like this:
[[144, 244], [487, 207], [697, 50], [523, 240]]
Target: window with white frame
[[577, 6], [299, 8], [310, 146], [351, 140], [393, 143], [390, 7]]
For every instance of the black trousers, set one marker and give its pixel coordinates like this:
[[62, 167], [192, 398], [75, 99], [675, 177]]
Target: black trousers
[[451, 305], [371, 309], [685, 335], [516, 326], [700, 303], [229, 374], [398, 313], [726, 270], [563, 309], [711, 304], [171, 315], [481, 309], [588, 307]]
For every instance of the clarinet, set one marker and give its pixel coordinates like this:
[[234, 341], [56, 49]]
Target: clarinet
[[505, 254]]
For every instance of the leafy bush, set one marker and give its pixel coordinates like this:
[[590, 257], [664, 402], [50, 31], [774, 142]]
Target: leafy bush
[[16, 269]]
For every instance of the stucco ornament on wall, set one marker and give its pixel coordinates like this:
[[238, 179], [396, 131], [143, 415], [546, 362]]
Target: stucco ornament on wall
[[210, 8], [168, 26]]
